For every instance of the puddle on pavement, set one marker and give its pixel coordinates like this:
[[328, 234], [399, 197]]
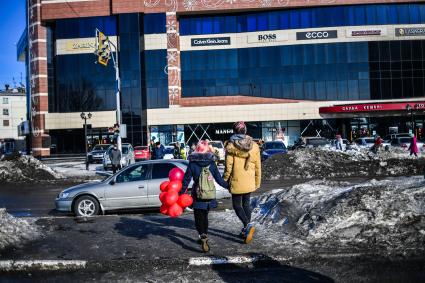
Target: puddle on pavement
[[21, 213]]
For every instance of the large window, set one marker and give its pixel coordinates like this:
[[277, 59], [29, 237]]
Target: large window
[[305, 18], [156, 79], [82, 85], [85, 27], [331, 71]]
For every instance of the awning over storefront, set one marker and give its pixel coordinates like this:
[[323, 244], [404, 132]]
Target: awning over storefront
[[373, 109]]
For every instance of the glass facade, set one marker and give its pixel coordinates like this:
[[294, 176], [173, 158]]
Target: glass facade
[[358, 15], [77, 84], [397, 69], [156, 79], [85, 27], [331, 71], [154, 23], [131, 72]]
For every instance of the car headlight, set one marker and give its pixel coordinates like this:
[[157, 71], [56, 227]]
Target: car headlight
[[63, 195]]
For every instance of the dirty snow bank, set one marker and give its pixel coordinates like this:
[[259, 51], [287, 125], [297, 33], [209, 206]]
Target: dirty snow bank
[[15, 231], [385, 215], [321, 163], [26, 168]]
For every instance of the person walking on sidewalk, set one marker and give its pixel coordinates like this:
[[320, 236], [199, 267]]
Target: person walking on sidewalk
[[203, 170], [115, 157], [413, 147], [243, 172]]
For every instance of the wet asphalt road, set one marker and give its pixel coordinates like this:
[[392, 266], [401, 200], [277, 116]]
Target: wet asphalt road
[[154, 248], [38, 199], [143, 246]]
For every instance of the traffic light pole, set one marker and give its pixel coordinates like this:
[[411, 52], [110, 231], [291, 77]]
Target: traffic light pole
[[118, 90], [115, 59]]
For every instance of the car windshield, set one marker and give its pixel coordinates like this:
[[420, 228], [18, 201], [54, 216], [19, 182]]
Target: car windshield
[[216, 144], [125, 149], [140, 148], [405, 140], [316, 141], [101, 147], [274, 145], [168, 150]]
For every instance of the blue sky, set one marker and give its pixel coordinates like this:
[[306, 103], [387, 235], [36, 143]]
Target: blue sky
[[12, 24]]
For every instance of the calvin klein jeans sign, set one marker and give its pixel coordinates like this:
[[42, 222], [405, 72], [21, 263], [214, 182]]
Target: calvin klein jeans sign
[[210, 41], [324, 34]]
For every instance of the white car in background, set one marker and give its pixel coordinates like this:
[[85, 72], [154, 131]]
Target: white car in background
[[220, 147], [168, 152], [127, 156]]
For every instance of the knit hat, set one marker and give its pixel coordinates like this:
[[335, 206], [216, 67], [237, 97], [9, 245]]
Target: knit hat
[[239, 128]]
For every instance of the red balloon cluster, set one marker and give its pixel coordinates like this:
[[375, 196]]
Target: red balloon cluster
[[172, 203]]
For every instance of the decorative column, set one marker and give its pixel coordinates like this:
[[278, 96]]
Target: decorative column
[[173, 57], [37, 49]]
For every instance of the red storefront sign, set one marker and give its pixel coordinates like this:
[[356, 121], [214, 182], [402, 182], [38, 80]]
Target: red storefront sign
[[372, 107]]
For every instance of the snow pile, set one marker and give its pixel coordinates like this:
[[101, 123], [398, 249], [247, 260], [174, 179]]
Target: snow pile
[[15, 231], [24, 169], [387, 214], [311, 163]]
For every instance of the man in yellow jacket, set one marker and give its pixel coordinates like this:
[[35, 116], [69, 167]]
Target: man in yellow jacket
[[243, 173]]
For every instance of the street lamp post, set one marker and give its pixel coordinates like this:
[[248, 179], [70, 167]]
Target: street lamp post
[[85, 117]]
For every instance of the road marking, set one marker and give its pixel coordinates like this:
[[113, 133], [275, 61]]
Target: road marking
[[26, 265], [200, 261]]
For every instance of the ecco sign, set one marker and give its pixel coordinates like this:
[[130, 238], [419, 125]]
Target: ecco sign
[[210, 41], [317, 35], [266, 37]]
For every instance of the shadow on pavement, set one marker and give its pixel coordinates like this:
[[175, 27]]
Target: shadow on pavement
[[165, 227], [267, 270]]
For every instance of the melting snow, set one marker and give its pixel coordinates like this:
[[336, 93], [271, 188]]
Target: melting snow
[[15, 231]]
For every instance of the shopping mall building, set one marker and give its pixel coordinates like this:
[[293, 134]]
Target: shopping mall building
[[189, 68]]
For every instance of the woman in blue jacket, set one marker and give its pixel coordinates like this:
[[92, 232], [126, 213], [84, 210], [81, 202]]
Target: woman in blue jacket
[[201, 158]]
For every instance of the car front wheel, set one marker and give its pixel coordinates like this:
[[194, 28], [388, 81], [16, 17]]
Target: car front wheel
[[86, 206]]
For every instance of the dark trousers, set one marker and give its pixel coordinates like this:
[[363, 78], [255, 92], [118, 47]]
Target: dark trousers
[[201, 220], [242, 207], [115, 168]]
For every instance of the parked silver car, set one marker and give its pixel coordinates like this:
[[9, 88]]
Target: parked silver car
[[127, 156], [136, 186]]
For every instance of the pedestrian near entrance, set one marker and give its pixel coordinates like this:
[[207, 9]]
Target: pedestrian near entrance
[[338, 143], [413, 147], [159, 151], [178, 152], [243, 172], [202, 169], [115, 157]]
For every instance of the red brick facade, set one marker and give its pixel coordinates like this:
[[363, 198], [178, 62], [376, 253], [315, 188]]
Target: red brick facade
[[38, 79]]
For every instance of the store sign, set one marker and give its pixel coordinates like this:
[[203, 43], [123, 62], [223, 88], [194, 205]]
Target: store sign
[[419, 31], [223, 131], [317, 35], [210, 41], [266, 37], [371, 107], [366, 32], [81, 45]]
